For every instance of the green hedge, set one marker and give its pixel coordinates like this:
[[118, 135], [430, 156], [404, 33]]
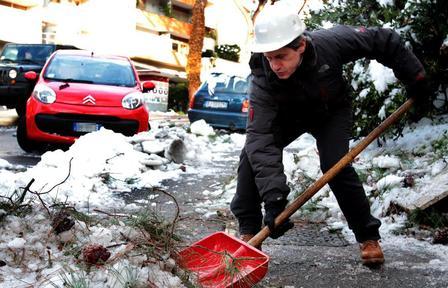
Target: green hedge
[[228, 52], [178, 97], [423, 27]]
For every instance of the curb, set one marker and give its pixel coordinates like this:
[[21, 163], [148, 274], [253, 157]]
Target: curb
[[8, 117]]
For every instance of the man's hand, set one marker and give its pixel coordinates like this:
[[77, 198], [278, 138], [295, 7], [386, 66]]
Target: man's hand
[[272, 210], [420, 91]]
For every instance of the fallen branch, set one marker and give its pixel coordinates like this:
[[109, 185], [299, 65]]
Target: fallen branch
[[26, 189], [63, 181], [110, 214], [177, 211]]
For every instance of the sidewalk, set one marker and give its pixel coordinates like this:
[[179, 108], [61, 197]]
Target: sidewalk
[[169, 119], [153, 116], [8, 117]]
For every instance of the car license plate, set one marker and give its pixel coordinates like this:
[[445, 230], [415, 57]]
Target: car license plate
[[85, 127], [215, 104]]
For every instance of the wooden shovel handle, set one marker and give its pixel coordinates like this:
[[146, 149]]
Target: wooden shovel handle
[[325, 178]]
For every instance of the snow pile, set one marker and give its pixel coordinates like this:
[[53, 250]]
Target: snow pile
[[201, 128], [399, 172], [90, 177]]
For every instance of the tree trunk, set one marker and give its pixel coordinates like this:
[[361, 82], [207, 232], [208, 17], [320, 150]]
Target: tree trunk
[[196, 42], [260, 6], [262, 3]]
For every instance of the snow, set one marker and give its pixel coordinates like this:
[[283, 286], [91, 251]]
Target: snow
[[381, 75], [385, 3], [88, 176], [17, 243], [327, 24], [315, 5], [4, 164], [102, 164], [201, 128], [386, 161], [389, 182]]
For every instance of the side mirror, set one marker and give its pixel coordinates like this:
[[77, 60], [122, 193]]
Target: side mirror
[[148, 86], [30, 75]]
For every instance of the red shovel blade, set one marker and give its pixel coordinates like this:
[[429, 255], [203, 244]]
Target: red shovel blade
[[221, 260]]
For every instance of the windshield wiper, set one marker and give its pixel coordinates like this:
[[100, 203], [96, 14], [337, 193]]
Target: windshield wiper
[[63, 86], [7, 60], [70, 80], [77, 80], [80, 81]]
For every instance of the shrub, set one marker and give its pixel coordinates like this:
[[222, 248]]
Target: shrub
[[228, 52], [178, 97], [423, 27]]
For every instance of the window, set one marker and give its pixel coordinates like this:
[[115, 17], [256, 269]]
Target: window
[[92, 70], [220, 82]]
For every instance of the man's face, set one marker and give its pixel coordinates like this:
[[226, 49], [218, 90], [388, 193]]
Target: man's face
[[285, 60]]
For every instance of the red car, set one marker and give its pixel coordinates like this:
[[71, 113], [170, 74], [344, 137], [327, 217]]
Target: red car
[[79, 92]]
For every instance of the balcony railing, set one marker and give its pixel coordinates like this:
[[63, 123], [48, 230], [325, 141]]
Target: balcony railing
[[20, 4], [188, 4], [162, 24]]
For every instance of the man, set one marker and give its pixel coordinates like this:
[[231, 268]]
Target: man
[[298, 87]]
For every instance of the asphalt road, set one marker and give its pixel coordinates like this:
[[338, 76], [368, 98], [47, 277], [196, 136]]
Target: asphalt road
[[310, 256], [10, 150]]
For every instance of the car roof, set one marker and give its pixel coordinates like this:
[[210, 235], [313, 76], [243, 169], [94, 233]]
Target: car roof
[[89, 53], [239, 70], [28, 44], [40, 45]]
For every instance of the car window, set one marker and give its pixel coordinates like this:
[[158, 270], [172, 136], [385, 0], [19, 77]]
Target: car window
[[220, 82], [26, 53], [96, 70]]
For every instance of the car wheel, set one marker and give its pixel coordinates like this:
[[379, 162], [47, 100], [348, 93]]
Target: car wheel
[[24, 142], [21, 105], [20, 109]]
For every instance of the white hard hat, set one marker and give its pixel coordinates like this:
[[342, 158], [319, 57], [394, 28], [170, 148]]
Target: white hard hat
[[276, 26]]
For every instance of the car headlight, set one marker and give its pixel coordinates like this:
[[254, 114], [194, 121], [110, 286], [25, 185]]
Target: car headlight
[[12, 74], [44, 94], [132, 100]]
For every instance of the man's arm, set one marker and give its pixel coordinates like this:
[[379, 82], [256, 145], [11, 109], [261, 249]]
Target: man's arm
[[265, 156], [381, 44]]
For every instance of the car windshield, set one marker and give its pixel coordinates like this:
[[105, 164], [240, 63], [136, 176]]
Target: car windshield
[[35, 54], [220, 82], [86, 69]]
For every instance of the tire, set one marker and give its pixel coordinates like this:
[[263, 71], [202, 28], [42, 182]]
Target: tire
[[25, 143], [21, 109], [21, 104]]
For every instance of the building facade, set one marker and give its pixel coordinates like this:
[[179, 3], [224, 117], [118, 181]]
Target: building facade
[[154, 33]]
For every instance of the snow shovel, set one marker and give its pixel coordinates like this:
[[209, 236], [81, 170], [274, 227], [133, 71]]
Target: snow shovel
[[221, 260]]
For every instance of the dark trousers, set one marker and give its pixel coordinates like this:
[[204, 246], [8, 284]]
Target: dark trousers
[[332, 138]]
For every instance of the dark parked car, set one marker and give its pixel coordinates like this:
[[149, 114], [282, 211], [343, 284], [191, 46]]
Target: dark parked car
[[222, 101], [15, 61]]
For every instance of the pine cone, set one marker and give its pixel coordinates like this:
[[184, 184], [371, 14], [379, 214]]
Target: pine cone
[[95, 254], [62, 222], [441, 236], [408, 181]]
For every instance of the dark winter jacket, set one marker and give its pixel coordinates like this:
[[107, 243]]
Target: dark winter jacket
[[314, 90]]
